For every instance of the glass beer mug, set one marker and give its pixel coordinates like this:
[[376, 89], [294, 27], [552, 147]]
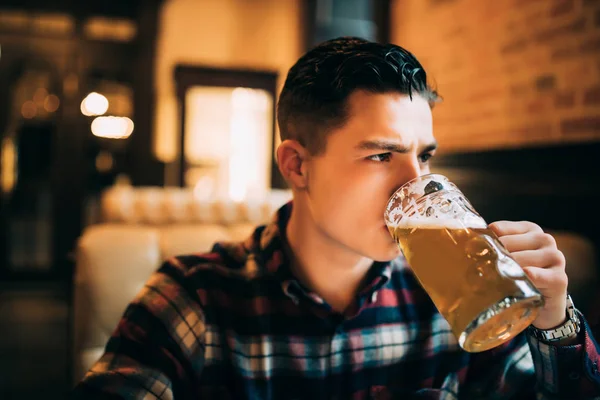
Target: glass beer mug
[[478, 288]]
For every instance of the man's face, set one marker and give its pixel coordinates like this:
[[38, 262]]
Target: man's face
[[386, 141]]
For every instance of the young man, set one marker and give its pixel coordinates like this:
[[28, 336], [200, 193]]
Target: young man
[[319, 304]]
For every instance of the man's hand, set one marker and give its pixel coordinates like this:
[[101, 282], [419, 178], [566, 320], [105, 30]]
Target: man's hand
[[543, 263]]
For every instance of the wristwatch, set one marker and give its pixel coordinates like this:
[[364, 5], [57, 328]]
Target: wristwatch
[[570, 327]]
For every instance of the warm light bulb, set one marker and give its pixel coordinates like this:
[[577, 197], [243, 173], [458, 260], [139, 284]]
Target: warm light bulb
[[29, 109], [112, 127], [94, 104], [51, 103]]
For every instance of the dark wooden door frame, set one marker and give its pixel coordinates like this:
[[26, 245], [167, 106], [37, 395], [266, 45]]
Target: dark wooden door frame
[[187, 76]]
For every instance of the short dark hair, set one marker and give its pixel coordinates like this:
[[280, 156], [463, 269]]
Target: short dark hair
[[314, 96]]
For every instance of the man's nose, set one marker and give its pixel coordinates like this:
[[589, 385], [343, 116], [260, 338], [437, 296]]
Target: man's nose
[[407, 171]]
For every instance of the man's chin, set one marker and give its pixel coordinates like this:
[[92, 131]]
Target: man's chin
[[381, 248], [386, 255]]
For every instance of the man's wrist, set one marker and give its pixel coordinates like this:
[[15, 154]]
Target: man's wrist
[[554, 322], [570, 340], [564, 334]]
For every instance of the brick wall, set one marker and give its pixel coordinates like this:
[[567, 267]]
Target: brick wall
[[512, 72]]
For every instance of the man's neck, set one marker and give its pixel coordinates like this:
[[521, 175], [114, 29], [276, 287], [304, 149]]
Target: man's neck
[[323, 265]]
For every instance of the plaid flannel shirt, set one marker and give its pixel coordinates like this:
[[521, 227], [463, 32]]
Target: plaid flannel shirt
[[236, 324]]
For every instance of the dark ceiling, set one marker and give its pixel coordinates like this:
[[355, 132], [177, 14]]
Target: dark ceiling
[[115, 8]]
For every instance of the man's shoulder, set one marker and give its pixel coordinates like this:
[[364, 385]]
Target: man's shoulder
[[236, 260]]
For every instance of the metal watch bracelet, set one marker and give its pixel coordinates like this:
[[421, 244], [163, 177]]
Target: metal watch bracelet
[[567, 329]]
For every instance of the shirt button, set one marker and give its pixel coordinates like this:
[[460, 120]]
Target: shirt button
[[374, 297], [574, 376]]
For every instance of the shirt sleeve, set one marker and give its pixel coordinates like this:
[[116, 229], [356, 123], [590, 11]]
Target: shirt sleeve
[[157, 349], [526, 368], [567, 371]]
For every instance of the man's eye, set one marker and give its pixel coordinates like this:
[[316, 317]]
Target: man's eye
[[425, 157], [383, 157]]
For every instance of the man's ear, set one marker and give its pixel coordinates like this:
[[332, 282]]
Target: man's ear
[[291, 159]]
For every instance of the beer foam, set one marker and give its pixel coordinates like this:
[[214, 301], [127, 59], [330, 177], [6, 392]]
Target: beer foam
[[448, 210], [469, 222], [418, 187]]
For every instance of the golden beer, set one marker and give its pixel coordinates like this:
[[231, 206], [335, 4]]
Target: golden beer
[[474, 283], [463, 273]]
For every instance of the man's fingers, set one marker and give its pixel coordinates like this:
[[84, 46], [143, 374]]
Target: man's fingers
[[502, 228], [548, 280], [540, 259], [514, 243], [527, 241]]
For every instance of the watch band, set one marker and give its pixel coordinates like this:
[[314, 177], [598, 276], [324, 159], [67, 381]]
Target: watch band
[[570, 327]]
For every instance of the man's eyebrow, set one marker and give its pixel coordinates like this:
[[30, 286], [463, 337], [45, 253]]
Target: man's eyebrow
[[430, 147], [384, 145]]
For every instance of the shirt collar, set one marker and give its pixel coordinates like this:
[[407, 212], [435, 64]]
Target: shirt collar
[[269, 243]]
